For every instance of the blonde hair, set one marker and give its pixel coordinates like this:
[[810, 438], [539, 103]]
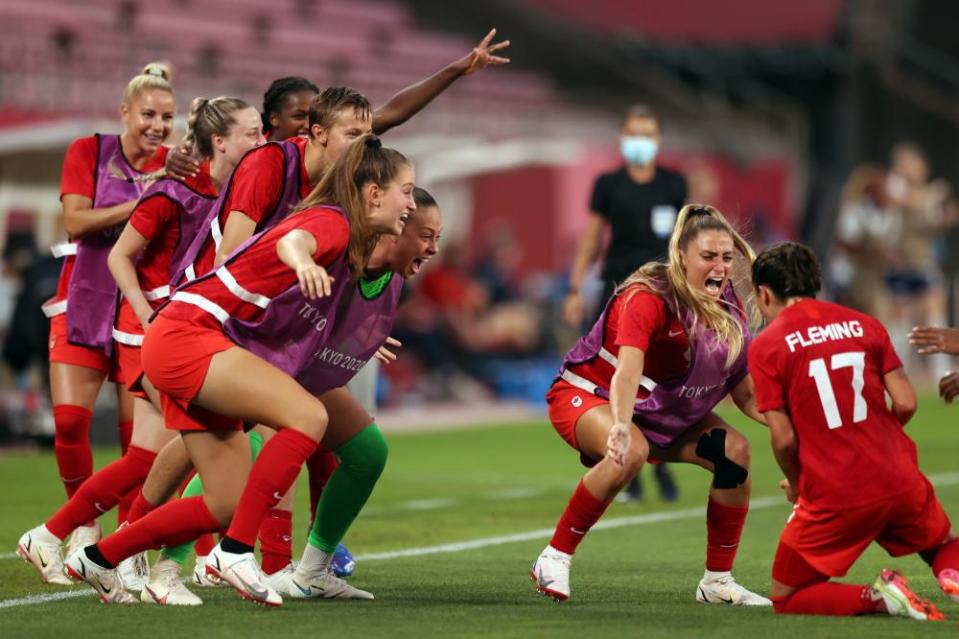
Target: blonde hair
[[208, 118], [365, 161], [154, 76], [668, 279]]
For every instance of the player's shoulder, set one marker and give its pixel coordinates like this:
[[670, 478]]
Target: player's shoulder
[[85, 146], [266, 155]]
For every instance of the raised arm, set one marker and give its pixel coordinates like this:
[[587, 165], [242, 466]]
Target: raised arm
[[408, 102], [586, 252], [122, 263], [296, 250], [80, 218]]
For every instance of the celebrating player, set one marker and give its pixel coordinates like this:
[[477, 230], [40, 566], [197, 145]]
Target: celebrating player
[[822, 372], [642, 384], [162, 223], [103, 176]]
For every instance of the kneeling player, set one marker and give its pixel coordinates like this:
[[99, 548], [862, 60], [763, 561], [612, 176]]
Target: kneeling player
[[821, 373]]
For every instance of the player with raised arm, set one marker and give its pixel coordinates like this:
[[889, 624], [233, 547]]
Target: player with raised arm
[[822, 373]]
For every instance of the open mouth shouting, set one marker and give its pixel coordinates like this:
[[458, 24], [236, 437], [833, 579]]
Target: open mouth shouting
[[714, 286]]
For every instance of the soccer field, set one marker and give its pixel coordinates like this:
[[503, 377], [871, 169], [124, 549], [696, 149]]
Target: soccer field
[[447, 541]]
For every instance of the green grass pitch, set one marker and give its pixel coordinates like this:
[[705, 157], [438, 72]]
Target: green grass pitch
[[495, 491]]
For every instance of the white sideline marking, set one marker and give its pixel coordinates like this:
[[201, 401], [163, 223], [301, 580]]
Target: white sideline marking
[[942, 479]]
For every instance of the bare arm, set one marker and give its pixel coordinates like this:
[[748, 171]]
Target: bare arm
[[902, 394], [586, 253], [239, 228], [80, 218], [785, 448], [295, 249], [935, 339], [408, 102], [622, 399], [744, 395], [122, 263]]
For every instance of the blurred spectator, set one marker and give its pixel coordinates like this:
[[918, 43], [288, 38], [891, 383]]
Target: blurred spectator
[[865, 236], [915, 281]]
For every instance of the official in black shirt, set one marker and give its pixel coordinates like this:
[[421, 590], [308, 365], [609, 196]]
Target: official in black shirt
[[640, 202]]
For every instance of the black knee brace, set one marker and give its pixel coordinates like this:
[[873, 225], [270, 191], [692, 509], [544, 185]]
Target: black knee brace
[[726, 473]]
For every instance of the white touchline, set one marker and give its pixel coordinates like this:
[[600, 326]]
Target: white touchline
[[942, 479]]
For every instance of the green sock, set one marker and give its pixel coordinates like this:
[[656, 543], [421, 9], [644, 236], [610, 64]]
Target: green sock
[[180, 553], [362, 460]]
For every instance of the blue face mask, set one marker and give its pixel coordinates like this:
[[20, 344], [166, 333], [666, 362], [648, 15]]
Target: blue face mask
[[638, 150]]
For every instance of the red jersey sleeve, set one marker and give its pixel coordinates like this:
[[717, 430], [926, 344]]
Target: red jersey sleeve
[[153, 215], [79, 166], [257, 183], [331, 232], [642, 314], [770, 394]]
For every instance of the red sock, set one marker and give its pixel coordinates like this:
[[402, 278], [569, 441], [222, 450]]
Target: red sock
[[101, 492], [724, 525], [123, 506], [320, 466], [174, 523], [139, 507], [125, 428], [71, 445], [276, 540], [273, 473], [947, 556], [581, 513], [829, 598], [204, 545]]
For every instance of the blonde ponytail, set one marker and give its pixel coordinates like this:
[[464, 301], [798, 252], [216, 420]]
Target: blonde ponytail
[[668, 280]]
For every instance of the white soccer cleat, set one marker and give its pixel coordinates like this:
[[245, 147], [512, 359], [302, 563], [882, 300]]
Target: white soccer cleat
[[201, 578], [241, 571], [105, 581], [82, 537], [325, 585], [279, 581], [901, 601], [135, 571], [551, 573], [724, 590], [165, 587], [36, 549]]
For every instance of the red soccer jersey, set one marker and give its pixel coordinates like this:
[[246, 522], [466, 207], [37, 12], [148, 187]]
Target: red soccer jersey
[[259, 269], [256, 186], [641, 319], [157, 218], [823, 364], [79, 168]]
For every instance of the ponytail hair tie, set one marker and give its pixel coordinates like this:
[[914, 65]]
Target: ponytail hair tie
[[374, 143]]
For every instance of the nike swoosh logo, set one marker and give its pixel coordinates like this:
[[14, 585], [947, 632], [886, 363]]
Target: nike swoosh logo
[[43, 560], [576, 531], [675, 333], [97, 505], [277, 496], [258, 593], [306, 591], [106, 590]]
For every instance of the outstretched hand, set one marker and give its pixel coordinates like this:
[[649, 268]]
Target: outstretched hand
[[935, 339], [384, 354], [180, 164], [483, 56], [315, 282]]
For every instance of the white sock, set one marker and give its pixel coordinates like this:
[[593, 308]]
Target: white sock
[[44, 536], [314, 561], [714, 576]]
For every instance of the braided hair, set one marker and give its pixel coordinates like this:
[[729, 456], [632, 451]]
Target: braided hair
[[279, 89]]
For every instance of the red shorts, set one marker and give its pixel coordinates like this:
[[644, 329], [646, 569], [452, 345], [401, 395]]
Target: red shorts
[[63, 352], [565, 405], [175, 357], [830, 541], [128, 363]]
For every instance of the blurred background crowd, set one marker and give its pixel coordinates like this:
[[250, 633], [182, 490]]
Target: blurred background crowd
[[835, 122]]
